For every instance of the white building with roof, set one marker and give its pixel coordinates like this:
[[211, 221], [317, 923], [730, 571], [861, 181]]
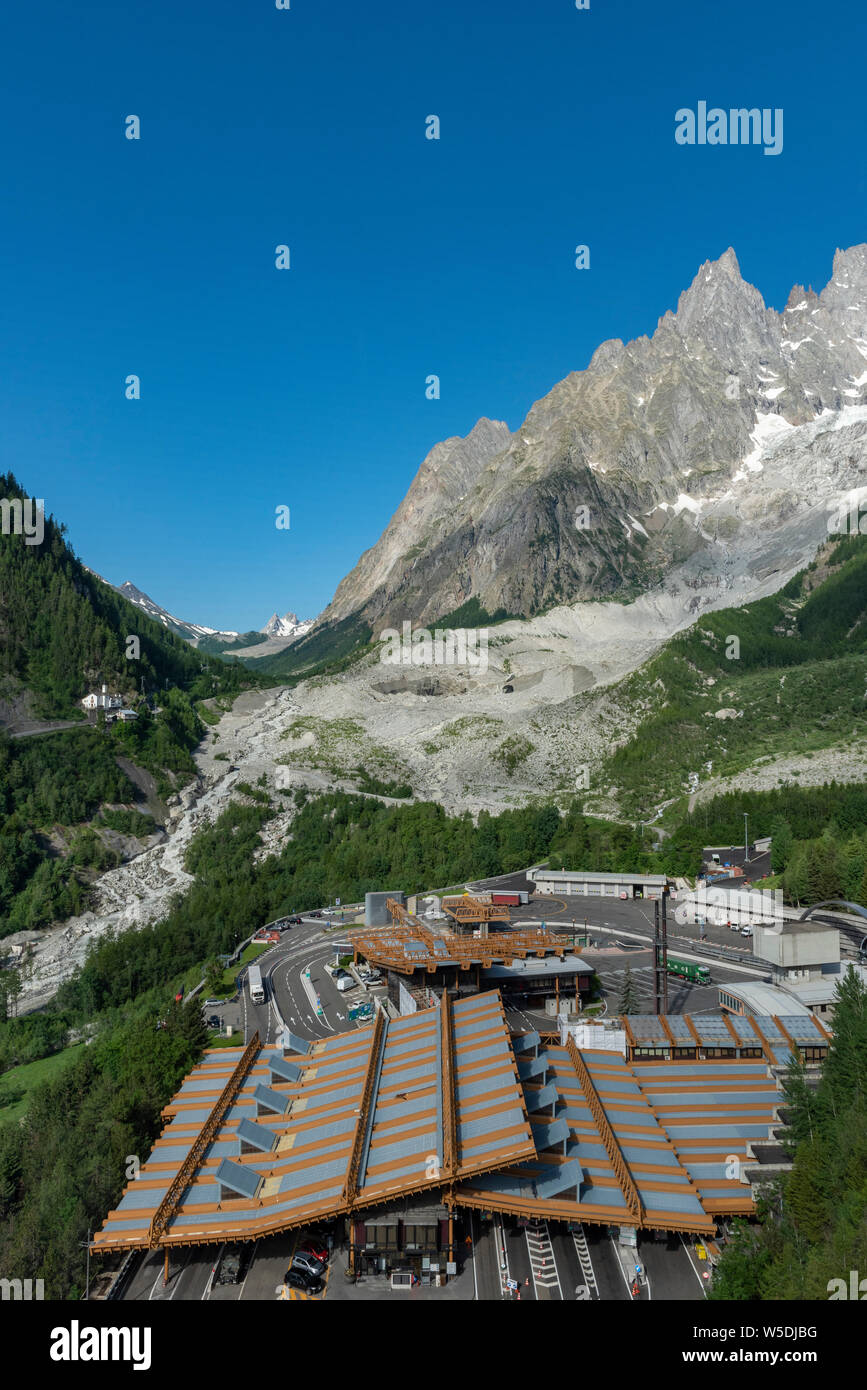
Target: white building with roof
[[589, 883], [102, 700]]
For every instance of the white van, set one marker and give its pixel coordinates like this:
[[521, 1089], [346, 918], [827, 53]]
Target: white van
[[344, 983]]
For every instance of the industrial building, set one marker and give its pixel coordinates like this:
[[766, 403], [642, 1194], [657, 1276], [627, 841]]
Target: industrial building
[[397, 1126], [587, 883], [799, 952], [422, 962], [785, 1027], [816, 995]]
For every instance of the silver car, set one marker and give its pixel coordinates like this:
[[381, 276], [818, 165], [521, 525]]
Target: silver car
[[309, 1264]]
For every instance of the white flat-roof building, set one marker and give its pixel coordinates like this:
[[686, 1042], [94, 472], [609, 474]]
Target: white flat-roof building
[[799, 951], [102, 700], [588, 883], [741, 907]]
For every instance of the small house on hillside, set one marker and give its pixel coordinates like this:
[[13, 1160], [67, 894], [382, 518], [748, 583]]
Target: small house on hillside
[[102, 700]]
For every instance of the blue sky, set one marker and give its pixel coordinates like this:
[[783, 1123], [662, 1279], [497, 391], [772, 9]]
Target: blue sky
[[306, 388]]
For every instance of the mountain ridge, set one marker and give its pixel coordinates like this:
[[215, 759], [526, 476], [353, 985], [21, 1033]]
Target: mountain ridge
[[490, 516]]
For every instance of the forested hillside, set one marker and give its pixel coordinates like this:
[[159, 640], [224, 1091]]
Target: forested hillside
[[62, 631], [812, 1226], [106, 1104], [785, 674]]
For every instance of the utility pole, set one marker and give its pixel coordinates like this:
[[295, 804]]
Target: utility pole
[[87, 1277], [746, 838]]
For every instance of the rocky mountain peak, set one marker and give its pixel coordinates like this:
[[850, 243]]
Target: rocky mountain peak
[[652, 437]]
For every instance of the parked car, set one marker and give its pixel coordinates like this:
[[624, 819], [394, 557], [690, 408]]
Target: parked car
[[746, 931], [308, 1264], [294, 921], [298, 1279], [214, 1003], [314, 914], [214, 1021], [344, 982], [316, 1249], [229, 1269]]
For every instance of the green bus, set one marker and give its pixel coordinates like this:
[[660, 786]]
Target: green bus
[[686, 970]]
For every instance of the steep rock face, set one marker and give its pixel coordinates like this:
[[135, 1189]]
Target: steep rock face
[[653, 436]]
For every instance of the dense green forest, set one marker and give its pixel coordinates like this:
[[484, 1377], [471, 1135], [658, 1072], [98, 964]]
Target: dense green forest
[[799, 663], [65, 631], [107, 1103], [819, 839], [57, 782], [812, 1225], [65, 1165]]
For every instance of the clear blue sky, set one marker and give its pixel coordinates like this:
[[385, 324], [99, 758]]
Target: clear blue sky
[[409, 256]]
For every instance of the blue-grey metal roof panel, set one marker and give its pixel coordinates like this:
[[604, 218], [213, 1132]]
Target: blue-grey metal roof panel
[[670, 1201], [287, 1071], [489, 1085], [335, 1168], [292, 1043], [403, 1148], [559, 1179], [142, 1198], [546, 1095], [327, 1129], [533, 1066], [489, 1124], [238, 1177], [545, 1136], [634, 1153], [257, 1135], [525, 1041], [640, 1119], [481, 1053], [272, 1100], [682, 1133]]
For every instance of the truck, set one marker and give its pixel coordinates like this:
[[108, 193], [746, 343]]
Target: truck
[[688, 970], [254, 981], [506, 899]]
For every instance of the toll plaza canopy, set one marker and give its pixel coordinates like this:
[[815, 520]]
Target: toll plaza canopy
[[265, 1138], [260, 1140]]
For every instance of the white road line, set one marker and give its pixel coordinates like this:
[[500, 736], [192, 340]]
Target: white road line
[[543, 1266], [214, 1267], [473, 1248], [692, 1266], [620, 1265], [503, 1260], [582, 1250], [249, 1267]]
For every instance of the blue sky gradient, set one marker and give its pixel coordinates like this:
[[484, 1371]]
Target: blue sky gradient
[[409, 256]]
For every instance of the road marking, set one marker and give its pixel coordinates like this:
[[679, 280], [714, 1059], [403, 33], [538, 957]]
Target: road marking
[[503, 1261], [543, 1265], [473, 1252], [693, 1267], [616, 1250], [582, 1250]]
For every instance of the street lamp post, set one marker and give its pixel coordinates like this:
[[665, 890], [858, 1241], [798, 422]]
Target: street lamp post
[[746, 838], [87, 1277]]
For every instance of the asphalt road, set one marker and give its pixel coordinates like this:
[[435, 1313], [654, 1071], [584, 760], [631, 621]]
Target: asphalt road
[[296, 981], [555, 1271]]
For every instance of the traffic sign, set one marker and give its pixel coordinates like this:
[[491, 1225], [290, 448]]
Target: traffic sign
[[512, 1284]]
